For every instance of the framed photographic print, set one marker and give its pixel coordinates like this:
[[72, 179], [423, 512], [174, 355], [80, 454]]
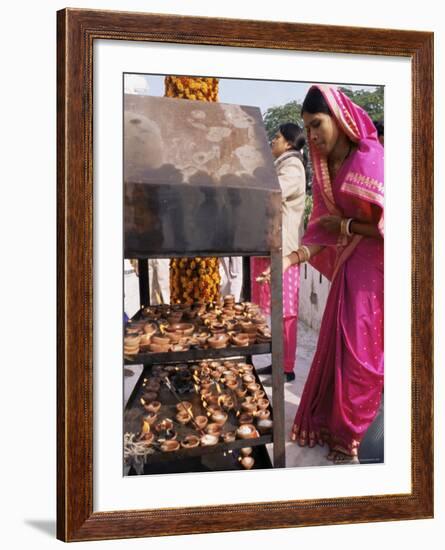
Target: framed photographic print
[[171, 215]]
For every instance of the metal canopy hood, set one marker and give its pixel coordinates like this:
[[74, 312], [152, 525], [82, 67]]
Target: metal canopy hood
[[199, 179]]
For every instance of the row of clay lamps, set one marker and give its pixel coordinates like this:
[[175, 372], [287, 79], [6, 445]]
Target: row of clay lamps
[[210, 425], [236, 324]]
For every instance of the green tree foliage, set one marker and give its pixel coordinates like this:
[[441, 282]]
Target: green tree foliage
[[371, 101], [275, 116]]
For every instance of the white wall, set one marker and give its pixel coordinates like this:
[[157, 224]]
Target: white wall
[[28, 231]]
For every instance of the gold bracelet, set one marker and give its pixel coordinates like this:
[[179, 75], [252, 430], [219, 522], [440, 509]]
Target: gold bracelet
[[349, 233], [343, 225], [306, 252], [303, 254]]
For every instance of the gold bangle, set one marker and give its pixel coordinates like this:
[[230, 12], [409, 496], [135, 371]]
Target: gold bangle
[[343, 224], [349, 233], [305, 253]]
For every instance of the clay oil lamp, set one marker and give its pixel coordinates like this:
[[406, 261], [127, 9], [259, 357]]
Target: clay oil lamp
[[245, 368], [219, 418], [259, 320], [263, 403], [265, 426], [202, 338], [153, 406], [212, 399], [158, 348], [190, 441], [148, 438], [245, 418], [214, 364], [248, 378], [259, 394], [249, 406], [208, 439], [205, 394], [150, 329], [240, 340], [174, 337], [246, 431], [227, 402], [211, 409], [206, 383], [263, 414], [184, 406], [201, 421], [240, 392], [232, 384], [263, 339], [213, 429], [216, 375], [247, 462], [246, 451], [228, 313], [160, 339], [185, 329], [150, 418], [218, 341], [169, 446], [131, 345], [229, 374], [253, 387], [164, 425], [179, 347], [217, 328], [183, 417], [144, 342], [248, 326], [131, 330]]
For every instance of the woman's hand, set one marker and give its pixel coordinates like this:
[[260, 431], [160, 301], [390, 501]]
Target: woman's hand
[[331, 223], [264, 277]]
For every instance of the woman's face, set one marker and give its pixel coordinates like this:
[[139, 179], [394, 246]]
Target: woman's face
[[279, 145], [322, 130]]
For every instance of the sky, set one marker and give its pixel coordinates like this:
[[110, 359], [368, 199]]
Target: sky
[[258, 93]]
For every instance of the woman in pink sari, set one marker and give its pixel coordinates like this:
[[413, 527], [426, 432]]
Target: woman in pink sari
[[344, 241]]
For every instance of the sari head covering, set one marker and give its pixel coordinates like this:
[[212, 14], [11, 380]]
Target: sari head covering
[[361, 181]]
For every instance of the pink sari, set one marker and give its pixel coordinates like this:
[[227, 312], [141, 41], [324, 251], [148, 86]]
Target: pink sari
[[342, 393]]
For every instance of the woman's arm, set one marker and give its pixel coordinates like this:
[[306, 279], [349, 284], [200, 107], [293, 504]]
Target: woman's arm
[[296, 258], [333, 225]]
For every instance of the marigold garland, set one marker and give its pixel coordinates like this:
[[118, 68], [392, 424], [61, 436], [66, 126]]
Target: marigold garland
[[193, 280], [194, 88]]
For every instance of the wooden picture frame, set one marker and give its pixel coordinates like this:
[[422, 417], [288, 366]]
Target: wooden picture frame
[[77, 31]]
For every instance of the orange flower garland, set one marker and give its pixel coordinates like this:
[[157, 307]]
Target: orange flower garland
[[194, 88], [193, 280]]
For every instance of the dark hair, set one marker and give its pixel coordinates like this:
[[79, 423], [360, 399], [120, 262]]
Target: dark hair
[[293, 134], [314, 102], [380, 127]]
